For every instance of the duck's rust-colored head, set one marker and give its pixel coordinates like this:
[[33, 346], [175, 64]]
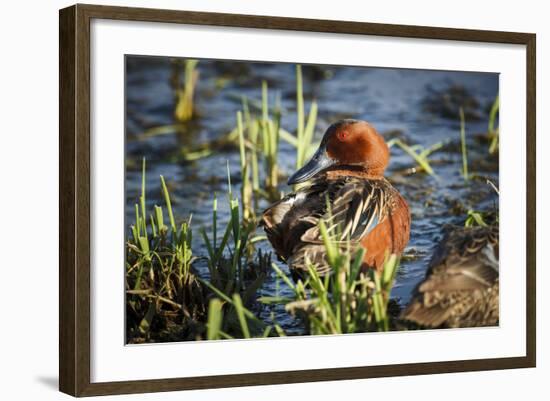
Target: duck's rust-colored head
[[352, 145]]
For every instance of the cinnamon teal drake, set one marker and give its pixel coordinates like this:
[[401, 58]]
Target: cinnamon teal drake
[[347, 189], [461, 288]]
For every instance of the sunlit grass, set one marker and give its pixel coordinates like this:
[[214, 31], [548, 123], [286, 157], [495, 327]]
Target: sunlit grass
[[418, 153], [185, 91], [304, 130], [463, 147], [258, 131], [269, 129], [245, 160], [159, 278], [491, 129], [474, 218], [163, 287]]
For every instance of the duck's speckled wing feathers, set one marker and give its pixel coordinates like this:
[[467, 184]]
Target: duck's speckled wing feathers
[[350, 207], [461, 287]]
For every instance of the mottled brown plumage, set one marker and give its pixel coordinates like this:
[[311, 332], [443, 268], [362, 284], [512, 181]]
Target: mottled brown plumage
[[461, 288], [364, 209]]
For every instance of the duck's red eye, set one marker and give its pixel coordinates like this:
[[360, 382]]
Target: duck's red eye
[[342, 135]]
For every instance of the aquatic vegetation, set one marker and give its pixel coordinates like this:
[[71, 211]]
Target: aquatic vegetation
[[493, 132], [304, 133], [253, 130], [495, 188], [161, 285], [228, 259], [258, 138], [166, 298], [482, 218], [270, 133], [184, 91], [234, 278], [246, 185], [267, 130], [418, 153], [463, 147], [475, 218]]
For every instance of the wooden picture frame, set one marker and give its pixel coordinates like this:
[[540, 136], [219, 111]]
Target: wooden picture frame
[[75, 207]]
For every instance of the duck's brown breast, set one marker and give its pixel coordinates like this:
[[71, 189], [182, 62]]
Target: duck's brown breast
[[389, 236]]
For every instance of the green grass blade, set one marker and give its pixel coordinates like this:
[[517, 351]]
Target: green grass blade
[[241, 140], [299, 112], [493, 132], [265, 102], [159, 218], [215, 318], [237, 302], [283, 276], [463, 145], [168, 203]]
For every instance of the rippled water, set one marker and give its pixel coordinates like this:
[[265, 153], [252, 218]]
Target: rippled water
[[399, 103]]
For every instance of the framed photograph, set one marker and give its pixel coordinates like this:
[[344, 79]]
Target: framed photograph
[[249, 200]]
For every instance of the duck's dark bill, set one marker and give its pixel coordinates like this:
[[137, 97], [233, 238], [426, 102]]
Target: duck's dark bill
[[317, 163]]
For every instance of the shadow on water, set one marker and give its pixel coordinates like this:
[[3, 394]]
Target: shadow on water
[[416, 106]]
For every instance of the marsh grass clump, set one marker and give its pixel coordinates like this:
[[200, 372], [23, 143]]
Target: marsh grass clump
[[304, 130], [257, 134], [235, 277], [229, 256], [165, 299], [483, 218], [270, 128], [263, 133]]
